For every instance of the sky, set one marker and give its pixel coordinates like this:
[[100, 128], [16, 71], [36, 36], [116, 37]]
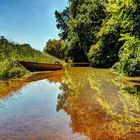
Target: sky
[[30, 21]]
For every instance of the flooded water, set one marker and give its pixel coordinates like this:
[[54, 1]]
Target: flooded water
[[73, 104]]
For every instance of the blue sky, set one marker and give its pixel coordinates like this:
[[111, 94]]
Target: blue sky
[[30, 21]]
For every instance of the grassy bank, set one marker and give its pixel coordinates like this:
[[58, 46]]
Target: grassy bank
[[11, 52]]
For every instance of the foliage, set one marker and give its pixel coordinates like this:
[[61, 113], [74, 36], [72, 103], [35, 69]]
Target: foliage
[[11, 69], [54, 47], [119, 38], [86, 19], [129, 63], [105, 52], [128, 14], [11, 53], [62, 20], [105, 32], [22, 52], [73, 52]]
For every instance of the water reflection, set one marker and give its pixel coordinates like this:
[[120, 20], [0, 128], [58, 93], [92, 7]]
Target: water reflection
[[101, 106], [33, 115], [11, 87], [97, 106]]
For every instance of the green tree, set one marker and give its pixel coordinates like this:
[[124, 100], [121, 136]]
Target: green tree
[[53, 47], [62, 22], [118, 38], [129, 55], [103, 32], [85, 20]]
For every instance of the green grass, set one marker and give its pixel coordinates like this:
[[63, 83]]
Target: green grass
[[11, 53]]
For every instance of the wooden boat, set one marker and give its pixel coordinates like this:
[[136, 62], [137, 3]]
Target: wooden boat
[[34, 66]]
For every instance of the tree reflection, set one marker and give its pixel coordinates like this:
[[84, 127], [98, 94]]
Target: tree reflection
[[99, 104], [11, 87], [130, 97]]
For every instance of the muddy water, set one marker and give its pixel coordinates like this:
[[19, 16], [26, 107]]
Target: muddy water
[[75, 104]]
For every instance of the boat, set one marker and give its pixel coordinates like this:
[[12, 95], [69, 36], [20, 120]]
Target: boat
[[35, 66]]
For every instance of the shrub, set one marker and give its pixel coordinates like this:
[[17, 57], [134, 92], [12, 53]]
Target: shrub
[[11, 69], [129, 55]]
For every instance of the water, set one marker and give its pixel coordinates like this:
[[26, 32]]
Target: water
[[75, 104]]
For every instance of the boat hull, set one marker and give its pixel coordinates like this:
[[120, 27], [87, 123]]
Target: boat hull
[[34, 66]]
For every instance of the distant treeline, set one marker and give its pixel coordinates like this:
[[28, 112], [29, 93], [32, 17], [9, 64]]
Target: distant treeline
[[105, 33], [11, 52]]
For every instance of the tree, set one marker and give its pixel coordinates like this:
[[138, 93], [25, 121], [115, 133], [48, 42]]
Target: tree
[[129, 54], [3, 40], [118, 38], [53, 47], [85, 20], [104, 32], [62, 22]]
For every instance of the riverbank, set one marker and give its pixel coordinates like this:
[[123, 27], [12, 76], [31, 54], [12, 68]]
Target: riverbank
[[11, 53]]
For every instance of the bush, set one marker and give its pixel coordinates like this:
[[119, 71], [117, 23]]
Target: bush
[[129, 55], [11, 69], [105, 52], [54, 47], [128, 67], [74, 52]]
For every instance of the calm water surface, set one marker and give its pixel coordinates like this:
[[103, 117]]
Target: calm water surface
[[74, 104]]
